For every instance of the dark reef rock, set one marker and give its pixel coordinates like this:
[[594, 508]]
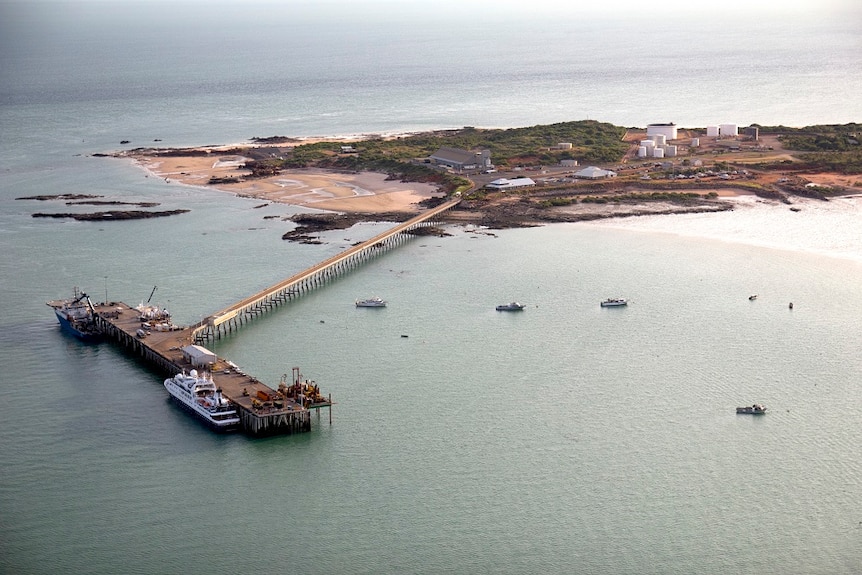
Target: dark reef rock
[[112, 203], [60, 197], [112, 215]]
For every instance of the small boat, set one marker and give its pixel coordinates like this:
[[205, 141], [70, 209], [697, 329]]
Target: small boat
[[198, 395], [756, 409], [614, 302], [77, 316], [752, 297], [372, 302], [513, 306]]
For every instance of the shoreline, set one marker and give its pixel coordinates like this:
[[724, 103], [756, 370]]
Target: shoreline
[[767, 224], [356, 193], [370, 196]]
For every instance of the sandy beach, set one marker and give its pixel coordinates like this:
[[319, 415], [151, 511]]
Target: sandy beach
[[363, 192], [366, 195]]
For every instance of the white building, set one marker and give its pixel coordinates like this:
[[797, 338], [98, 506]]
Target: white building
[[508, 184], [594, 173], [199, 356], [668, 130]]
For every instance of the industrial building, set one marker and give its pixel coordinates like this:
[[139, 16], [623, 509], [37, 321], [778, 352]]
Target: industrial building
[[462, 160]]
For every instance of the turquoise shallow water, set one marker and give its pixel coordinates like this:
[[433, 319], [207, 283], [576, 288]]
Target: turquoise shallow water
[[563, 438], [524, 442]]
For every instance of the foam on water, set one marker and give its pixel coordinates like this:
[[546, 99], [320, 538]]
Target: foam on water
[[831, 228]]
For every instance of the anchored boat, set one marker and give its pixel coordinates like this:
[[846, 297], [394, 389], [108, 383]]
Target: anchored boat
[[614, 302], [372, 302], [513, 306], [756, 409]]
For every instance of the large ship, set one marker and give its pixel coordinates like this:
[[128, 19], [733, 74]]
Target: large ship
[[198, 395], [77, 316]]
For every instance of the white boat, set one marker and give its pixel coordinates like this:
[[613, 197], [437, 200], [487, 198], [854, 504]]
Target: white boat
[[198, 395], [756, 409], [372, 302], [513, 306], [614, 302]]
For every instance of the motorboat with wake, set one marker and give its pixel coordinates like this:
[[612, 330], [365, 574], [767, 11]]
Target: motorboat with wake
[[197, 393]]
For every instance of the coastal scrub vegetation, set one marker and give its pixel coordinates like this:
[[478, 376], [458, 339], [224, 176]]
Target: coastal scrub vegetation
[[829, 147], [402, 157]]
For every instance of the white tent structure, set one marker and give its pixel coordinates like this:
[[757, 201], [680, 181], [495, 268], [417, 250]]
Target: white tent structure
[[594, 173]]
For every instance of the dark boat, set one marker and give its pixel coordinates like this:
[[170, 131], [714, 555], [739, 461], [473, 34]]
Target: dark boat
[[756, 409], [77, 316]]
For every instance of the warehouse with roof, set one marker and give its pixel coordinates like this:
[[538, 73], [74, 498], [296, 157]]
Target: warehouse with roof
[[462, 160]]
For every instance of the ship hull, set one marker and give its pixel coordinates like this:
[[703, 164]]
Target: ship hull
[[213, 425], [70, 328]]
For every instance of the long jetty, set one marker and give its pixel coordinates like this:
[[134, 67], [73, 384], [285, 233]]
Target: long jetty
[[262, 409], [232, 317]]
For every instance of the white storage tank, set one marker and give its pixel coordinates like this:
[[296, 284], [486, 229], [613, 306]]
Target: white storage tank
[[712, 131], [667, 130], [670, 151], [695, 142], [728, 130], [658, 153], [564, 146], [648, 143], [660, 139], [642, 151]]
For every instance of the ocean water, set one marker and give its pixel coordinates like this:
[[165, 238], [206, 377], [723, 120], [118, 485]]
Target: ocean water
[[566, 438]]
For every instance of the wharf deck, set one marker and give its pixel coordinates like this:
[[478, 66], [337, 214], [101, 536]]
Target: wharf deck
[[262, 409]]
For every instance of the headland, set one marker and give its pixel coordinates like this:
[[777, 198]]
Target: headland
[[394, 177]]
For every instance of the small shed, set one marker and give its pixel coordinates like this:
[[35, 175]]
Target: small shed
[[199, 356]]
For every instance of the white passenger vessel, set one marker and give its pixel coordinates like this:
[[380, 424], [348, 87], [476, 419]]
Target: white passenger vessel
[[198, 395]]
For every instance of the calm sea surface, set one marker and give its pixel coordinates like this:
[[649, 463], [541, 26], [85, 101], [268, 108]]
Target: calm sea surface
[[564, 439]]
